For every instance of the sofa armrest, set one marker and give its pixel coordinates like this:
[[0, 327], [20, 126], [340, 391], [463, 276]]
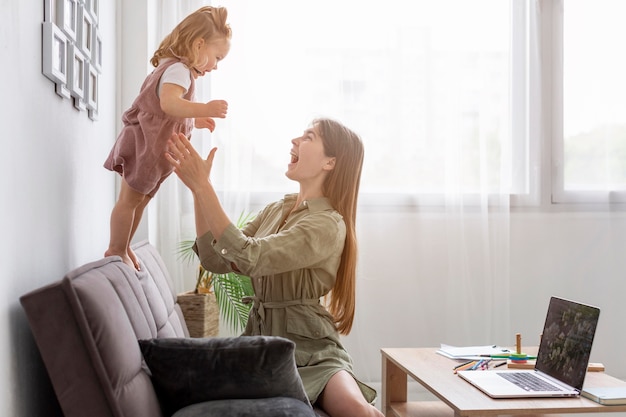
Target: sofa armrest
[[86, 327]]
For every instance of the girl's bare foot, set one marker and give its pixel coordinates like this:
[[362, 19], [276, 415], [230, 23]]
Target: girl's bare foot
[[125, 258], [134, 259]]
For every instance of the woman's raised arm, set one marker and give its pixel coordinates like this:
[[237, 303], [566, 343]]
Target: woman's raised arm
[[195, 173]]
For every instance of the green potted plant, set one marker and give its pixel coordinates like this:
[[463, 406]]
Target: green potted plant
[[215, 295]]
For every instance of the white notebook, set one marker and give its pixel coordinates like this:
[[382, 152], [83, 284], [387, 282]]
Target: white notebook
[[606, 395]]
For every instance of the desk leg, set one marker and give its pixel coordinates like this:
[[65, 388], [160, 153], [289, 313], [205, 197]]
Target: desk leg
[[394, 385]]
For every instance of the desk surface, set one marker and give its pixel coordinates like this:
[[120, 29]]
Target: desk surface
[[434, 372]]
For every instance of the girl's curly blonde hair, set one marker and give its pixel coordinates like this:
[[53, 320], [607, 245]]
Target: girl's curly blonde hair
[[208, 23]]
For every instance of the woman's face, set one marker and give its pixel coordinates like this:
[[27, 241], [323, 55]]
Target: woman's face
[[210, 54], [308, 159]]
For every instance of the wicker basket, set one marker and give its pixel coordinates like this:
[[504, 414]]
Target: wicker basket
[[201, 313]]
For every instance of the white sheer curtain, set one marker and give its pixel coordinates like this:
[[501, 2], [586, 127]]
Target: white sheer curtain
[[478, 286], [439, 93], [171, 212]]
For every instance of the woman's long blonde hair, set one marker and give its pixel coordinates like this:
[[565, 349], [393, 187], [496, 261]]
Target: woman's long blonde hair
[[341, 187], [208, 23]]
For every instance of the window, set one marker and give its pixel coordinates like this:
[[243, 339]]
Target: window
[[447, 95], [426, 84]]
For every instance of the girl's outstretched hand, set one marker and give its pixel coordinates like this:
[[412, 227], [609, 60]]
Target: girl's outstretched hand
[[193, 171], [217, 108], [204, 123]]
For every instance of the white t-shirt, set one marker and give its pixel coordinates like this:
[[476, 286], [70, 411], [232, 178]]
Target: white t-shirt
[[177, 74]]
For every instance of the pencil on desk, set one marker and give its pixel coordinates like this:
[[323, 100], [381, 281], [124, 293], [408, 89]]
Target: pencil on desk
[[465, 366], [480, 364], [462, 364]]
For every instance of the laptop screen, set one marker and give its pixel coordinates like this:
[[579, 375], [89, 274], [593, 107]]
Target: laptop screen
[[566, 341]]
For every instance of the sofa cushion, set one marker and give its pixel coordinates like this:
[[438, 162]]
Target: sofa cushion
[[263, 407], [187, 371], [86, 327]]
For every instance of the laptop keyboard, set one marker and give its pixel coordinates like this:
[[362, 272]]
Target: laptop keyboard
[[528, 381]]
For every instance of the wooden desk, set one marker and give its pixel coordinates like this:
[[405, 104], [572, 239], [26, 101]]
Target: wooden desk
[[459, 398]]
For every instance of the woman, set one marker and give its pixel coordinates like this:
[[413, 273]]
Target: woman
[[296, 251]]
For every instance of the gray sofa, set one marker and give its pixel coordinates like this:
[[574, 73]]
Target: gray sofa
[[115, 344]]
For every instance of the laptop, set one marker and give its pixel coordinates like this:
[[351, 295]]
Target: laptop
[[562, 358]]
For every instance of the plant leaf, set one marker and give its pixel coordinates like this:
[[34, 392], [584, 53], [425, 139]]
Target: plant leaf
[[185, 251], [230, 289]]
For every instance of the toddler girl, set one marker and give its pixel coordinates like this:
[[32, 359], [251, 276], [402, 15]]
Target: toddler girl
[[165, 105]]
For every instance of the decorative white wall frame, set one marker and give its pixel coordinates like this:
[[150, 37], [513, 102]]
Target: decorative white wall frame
[[50, 11], [67, 17], [96, 51], [85, 38], [76, 76], [72, 51], [91, 92], [55, 46], [91, 7]]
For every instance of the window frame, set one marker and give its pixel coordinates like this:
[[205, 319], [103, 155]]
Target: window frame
[[553, 13]]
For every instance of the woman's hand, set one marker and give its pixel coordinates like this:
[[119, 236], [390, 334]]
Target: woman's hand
[[193, 171]]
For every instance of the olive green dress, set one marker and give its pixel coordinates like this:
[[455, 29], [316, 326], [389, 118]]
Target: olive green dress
[[292, 260]]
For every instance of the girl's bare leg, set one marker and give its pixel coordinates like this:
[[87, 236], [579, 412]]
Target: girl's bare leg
[[122, 221], [137, 219], [343, 398]]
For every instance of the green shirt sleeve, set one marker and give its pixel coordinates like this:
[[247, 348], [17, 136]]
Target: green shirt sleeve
[[311, 239]]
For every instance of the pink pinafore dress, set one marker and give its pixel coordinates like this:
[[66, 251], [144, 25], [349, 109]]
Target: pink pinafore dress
[[138, 153]]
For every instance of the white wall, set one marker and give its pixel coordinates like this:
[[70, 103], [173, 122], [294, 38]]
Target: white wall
[[56, 196], [57, 200]]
